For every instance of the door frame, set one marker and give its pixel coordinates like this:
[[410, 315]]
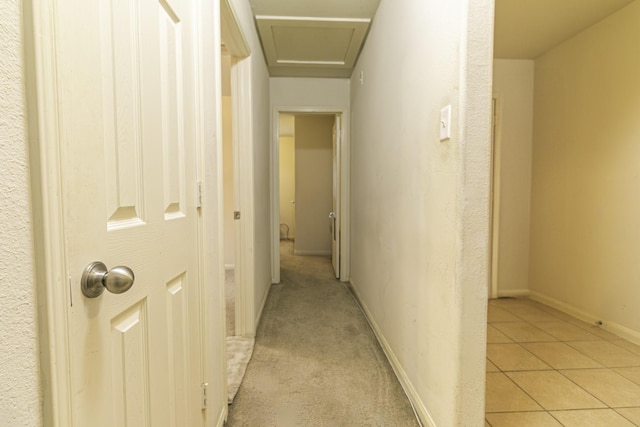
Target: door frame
[[52, 286], [344, 185], [494, 208], [241, 134], [45, 151], [336, 139]]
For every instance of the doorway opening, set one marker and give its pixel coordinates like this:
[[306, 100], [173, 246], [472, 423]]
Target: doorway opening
[[565, 233], [287, 178], [309, 203], [237, 195]]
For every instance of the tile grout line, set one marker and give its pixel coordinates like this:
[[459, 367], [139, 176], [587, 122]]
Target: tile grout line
[[567, 343]]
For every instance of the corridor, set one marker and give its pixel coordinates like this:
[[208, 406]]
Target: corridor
[[316, 361]]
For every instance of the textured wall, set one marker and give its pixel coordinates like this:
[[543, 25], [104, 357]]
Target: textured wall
[[419, 206], [19, 371]]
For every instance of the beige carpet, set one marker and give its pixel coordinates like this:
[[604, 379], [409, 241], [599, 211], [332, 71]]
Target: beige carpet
[[229, 293], [239, 351], [316, 361]]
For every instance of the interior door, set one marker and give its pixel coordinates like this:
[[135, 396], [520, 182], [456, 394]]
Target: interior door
[[127, 125], [335, 214]]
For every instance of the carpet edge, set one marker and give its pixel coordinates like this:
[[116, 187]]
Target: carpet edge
[[422, 414]]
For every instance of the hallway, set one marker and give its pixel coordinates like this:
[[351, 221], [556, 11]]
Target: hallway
[[316, 361]]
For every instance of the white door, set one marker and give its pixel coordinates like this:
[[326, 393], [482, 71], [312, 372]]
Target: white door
[[335, 213], [127, 110]]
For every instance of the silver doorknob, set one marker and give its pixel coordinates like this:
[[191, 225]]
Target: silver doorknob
[[332, 215], [96, 278]]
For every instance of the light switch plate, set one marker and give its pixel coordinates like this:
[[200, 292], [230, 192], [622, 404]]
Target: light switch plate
[[445, 123]]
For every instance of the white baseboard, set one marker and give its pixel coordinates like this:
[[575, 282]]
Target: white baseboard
[[513, 293], [405, 382], [313, 253], [223, 415], [607, 325], [229, 266]]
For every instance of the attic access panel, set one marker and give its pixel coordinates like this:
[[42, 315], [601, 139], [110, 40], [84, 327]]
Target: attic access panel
[[303, 46]]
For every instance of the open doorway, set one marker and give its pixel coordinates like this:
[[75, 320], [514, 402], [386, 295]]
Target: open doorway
[[567, 216], [308, 200], [287, 178]]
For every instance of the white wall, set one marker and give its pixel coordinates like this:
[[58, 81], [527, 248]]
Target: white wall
[[260, 127], [314, 183], [20, 400], [228, 184], [513, 88], [585, 238], [420, 206], [309, 93], [287, 185]]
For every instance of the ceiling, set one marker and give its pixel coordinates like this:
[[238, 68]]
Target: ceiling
[[323, 38], [312, 38], [525, 29]]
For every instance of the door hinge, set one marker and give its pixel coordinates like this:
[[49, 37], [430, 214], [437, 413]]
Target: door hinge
[[203, 395], [199, 194], [236, 215]]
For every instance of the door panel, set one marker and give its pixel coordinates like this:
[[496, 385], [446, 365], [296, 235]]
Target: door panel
[[125, 73], [130, 367], [172, 110], [122, 112], [177, 338]]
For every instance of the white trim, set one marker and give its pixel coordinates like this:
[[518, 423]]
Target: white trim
[[496, 145], [513, 293], [343, 215], [420, 409], [311, 19], [52, 286], [613, 327], [222, 419], [311, 253], [234, 38], [295, 62]]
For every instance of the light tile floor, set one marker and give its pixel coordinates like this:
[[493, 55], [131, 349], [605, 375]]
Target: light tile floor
[[546, 368]]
